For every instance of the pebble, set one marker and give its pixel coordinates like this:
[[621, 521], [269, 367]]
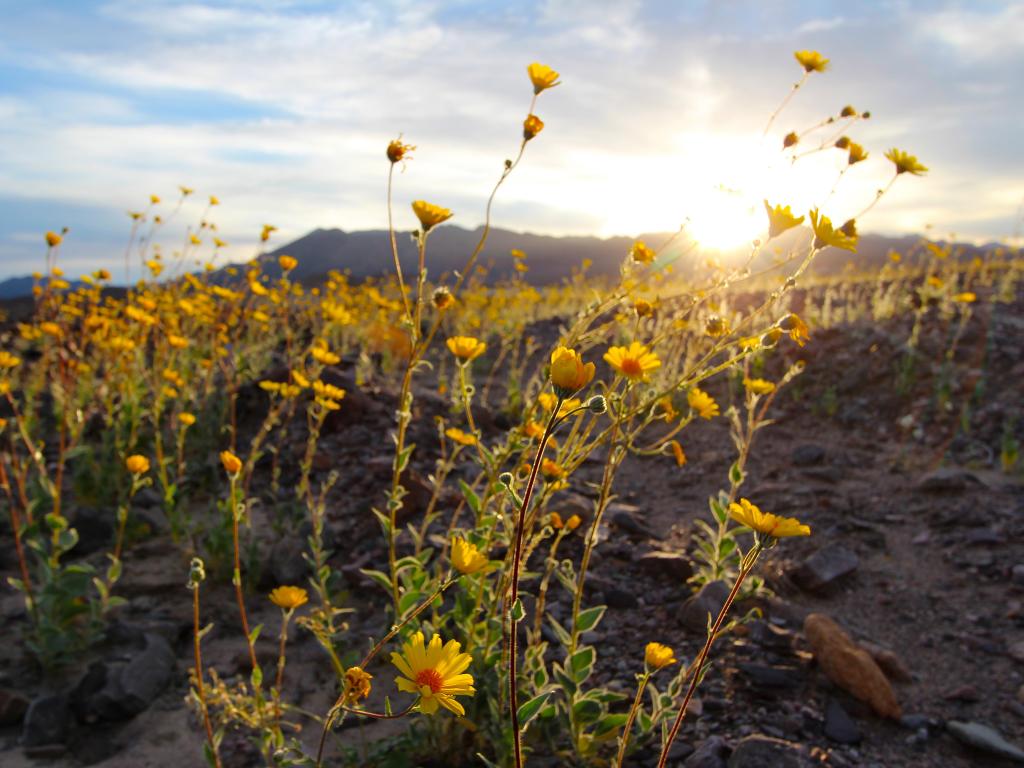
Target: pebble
[[710, 599], [766, 752], [984, 738], [825, 568], [839, 726], [46, 721]]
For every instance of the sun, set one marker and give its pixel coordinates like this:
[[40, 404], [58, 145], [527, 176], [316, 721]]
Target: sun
[[725, 220]]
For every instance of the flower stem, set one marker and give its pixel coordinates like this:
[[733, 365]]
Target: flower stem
[[695, 670], [624, 741], [513, 640], [199, 677]]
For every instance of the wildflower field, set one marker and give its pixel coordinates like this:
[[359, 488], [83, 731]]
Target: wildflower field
[[694, 513]]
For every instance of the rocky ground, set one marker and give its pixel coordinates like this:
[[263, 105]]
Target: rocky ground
[[895, 635]]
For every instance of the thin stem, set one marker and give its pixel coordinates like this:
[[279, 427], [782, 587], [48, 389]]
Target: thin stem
[[698, 665], [513, 641], [624, 741], [199, 677], [236, 577]]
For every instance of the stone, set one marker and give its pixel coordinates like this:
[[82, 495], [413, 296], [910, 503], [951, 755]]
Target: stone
[[619, 599], [985, 739], [710, 753], [627, 517], [825, 568], [710, 599], [770, 678], [1017, 575], [807, 455], [945, 480], [114, 690], [849, 666], [889, 663], [759, 751], [46, 721], [839, 726], [666, 565]]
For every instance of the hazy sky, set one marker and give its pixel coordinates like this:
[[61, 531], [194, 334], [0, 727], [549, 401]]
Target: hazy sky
[[283, 110]]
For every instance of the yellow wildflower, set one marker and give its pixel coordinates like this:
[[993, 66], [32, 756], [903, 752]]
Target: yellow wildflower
[[811, 61], [435, 673], [905, 163], [289, 598], [825, 235], [758, 386], [186, 418], [766, 523], [967, 297], [443, 299], [641, 253], [466, 347], [703, 403], [658, 656], [677, 452], [53, 239], [466, 558], [430, 215], [397, 151], [137, 465], [288, 263], [542, 77], [7, 360], [634, 362], [532, 125], [780, 218], [460, 437], [232, 464], [357, 685], [569, 374], [856, 153]]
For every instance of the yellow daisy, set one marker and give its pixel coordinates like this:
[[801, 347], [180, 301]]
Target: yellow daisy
[[435, 673], [634, 362], [766, 523]]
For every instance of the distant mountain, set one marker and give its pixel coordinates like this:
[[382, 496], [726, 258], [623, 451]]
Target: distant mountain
[[550, 259]]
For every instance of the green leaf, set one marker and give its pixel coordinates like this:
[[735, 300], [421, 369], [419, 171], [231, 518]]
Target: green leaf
[[472, 500], [408, 601], [379, 577], [586, 710], [257, 677], [560, 631], [518, 613], [581, 663], [589, 618], [530, 709], [610, 723], [736, 474], [255, 633]]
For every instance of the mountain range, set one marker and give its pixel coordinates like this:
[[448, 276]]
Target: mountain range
[[367, 253]]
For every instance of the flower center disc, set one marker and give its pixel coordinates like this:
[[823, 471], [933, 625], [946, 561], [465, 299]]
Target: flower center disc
[[431, 678], [631, 367]]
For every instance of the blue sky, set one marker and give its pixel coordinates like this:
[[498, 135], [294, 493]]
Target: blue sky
[[282, 110]]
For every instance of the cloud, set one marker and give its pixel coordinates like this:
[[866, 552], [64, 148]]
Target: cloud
[[283, 111]]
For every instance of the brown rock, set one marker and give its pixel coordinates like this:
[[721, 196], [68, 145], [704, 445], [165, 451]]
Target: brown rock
[[849, 666]]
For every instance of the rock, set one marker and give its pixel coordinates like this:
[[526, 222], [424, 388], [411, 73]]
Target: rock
[[12, 707], [984, 738], [945, 480], [771, 678], [849, 666], [839, 726], [889, 663], [619, 598], [627, 517], [710, 753], [710, 599], [807, 455], [825, 567], [765, 752], [46, 721], [965, 693], [679, 750], [1017, 575], [145, 677], [667, 565], [114, 690]]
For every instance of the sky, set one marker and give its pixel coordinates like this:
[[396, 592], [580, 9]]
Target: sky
[[283, 111]]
